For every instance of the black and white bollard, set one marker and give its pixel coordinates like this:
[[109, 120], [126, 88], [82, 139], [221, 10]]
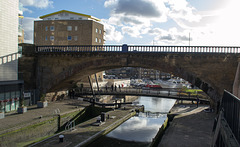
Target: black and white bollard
[[61, 137]]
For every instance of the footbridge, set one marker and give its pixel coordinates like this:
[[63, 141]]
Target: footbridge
[[170, 93]]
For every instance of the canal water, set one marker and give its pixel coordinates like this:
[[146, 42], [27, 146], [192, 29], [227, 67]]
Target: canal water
[[141, 129]]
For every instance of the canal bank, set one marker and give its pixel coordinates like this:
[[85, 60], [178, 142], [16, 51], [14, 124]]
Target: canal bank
[[86, 132], [191, 126]]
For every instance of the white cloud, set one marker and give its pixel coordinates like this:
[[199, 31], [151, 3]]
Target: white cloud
[[136, 12], [132, 31], [27, 10], [37, 3], [223, 30], [28, 25], [136, 17], [171, 36], [183, 13], [111, 34], [110, 3]]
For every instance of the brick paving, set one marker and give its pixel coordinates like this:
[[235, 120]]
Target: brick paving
[[192, 127]]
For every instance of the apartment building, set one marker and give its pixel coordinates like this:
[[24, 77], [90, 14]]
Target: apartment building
[[68, 28]]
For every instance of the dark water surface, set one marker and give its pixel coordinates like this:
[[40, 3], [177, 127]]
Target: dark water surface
[[139, 130]]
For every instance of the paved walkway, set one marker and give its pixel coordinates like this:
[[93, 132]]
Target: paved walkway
[[86, 131], [13, 120], [192, 127]]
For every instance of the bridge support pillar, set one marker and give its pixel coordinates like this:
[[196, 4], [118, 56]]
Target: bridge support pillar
[[236, 84]]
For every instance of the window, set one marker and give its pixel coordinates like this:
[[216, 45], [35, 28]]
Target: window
[[100, 40], [46, 28], [46, 38], [69, 38], [51, 28], [96, 40], [71, 17], [76, 28], [80, 18], [96, 30], [52, 38], [75, 38], [100, 31], [69, 28]]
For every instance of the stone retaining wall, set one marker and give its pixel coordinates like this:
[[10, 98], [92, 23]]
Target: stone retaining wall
[[24, 135]]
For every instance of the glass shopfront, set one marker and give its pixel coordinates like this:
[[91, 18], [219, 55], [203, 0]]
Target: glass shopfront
[[10, 93]]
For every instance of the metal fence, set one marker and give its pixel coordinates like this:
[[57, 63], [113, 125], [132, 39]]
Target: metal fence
[[139, 48], [231, 108], [166, 93]]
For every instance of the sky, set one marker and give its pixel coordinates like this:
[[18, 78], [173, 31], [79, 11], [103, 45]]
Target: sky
[[150, 22]]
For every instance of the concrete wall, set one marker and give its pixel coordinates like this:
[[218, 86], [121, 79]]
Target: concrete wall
[[35, 130], [9, 38]]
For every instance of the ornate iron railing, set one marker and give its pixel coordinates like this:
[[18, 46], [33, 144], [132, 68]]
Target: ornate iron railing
[[139, 48]]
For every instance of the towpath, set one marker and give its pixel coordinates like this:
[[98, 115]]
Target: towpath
[[86, 132], [192, 127], [13, 120]]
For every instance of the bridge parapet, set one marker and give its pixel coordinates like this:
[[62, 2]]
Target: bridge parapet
[[139, 48]]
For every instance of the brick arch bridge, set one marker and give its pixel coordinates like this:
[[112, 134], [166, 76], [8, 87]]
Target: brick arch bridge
[[212, 69]]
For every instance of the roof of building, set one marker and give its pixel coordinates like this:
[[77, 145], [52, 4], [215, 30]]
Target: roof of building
[[58, 12]]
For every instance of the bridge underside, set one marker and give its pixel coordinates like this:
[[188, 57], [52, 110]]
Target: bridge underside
[[211, 72]]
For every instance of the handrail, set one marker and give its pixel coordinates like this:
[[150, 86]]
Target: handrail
[[166, 92], [13, 56], [139, 48], [231, 110], [70, 125]]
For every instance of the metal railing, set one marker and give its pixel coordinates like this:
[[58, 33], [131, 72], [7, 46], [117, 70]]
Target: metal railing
[[166, 92], [10, 57], [231, 109], [70, 126], [81, 48], [139, 48]]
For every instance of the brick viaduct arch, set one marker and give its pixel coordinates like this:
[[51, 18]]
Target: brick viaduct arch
[[211, 72]]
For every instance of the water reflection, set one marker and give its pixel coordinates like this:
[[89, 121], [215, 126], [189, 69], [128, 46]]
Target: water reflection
[[154, 104], [144, 127], [138, 129]]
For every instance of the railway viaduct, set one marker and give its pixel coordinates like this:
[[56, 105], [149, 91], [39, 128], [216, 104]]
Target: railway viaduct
[[53, 69]]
